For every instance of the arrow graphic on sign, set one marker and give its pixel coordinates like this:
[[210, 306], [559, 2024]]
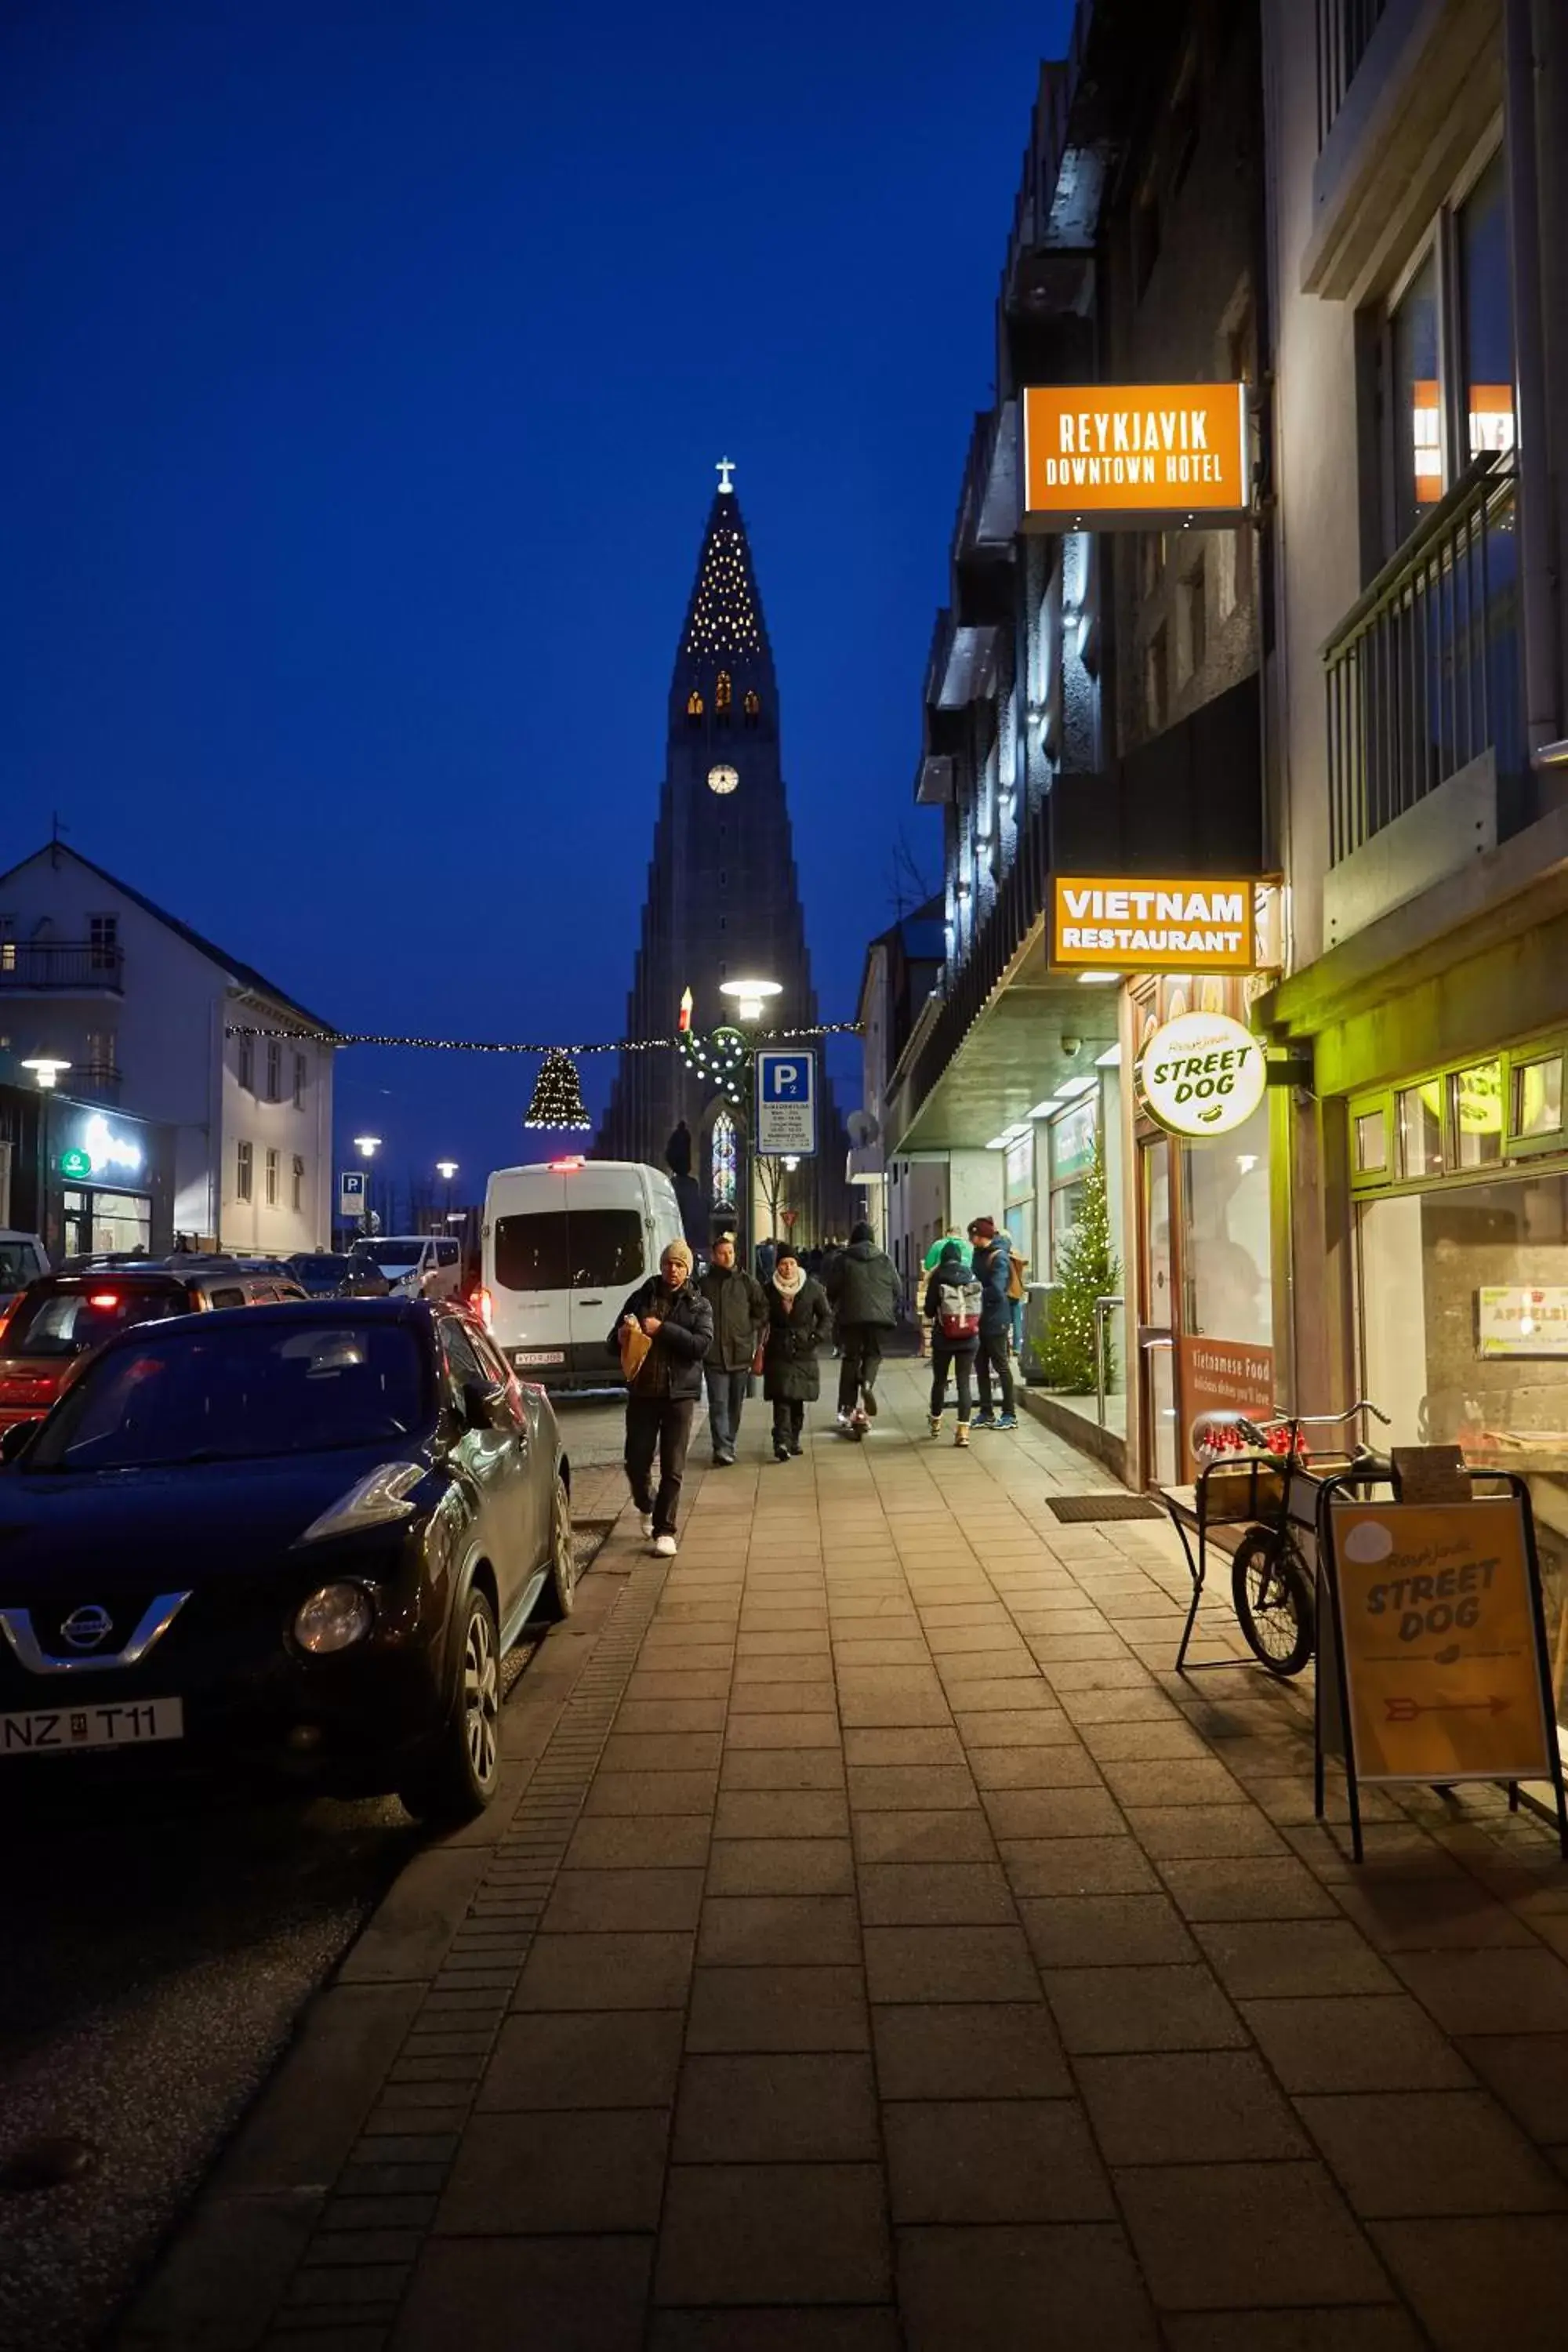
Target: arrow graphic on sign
[[1406, 1710]]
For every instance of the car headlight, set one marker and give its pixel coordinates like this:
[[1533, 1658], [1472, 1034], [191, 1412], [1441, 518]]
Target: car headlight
[[378, 1499], [333, 1619]]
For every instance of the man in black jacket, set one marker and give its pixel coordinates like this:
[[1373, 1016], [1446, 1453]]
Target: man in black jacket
[[739, 1320], [863, 1286], [671, 1311]]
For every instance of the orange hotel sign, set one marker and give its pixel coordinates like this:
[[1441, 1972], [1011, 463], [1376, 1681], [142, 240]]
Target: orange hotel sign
[[1104, 456]]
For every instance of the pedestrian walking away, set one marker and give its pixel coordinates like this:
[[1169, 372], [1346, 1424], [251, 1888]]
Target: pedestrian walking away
[[766, 1258], [862, 1286], [952, 1303], [740, 1311], [672, 1312], [991, 1266], [799, 1321]]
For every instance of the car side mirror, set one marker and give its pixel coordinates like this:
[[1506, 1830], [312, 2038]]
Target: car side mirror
[[15, 1439], [482, 1401]]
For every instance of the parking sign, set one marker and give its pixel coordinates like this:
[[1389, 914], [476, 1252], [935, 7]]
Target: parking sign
[[351, 1193], [786, 1104]]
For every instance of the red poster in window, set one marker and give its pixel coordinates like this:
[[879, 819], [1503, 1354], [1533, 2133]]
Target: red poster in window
[[1223, 1376]]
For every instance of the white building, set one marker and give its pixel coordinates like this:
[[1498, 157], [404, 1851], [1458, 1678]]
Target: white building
[[143, 1010]]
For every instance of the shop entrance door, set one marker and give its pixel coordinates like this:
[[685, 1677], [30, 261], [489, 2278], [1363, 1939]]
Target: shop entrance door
[[1157, 1297]]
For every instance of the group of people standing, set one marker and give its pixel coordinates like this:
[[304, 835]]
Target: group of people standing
[[717, 1330], [969, 1305]]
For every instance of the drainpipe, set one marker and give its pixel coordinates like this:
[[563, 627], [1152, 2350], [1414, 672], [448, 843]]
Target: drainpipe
[[1538, 580]]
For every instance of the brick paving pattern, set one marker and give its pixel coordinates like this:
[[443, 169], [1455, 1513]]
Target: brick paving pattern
[[888, 1949]]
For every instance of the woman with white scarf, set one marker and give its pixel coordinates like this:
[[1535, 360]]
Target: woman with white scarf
[[800, 1322]]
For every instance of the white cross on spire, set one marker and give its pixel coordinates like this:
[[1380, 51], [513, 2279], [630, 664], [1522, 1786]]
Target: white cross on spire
[[724, 468]]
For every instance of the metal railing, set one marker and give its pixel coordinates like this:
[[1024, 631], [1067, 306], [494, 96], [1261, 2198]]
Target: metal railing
[[97, 1081], [1345, 29], [1423, 673], [55, 964]]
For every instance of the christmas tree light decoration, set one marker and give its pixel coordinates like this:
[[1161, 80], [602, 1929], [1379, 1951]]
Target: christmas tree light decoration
[[557, 1094], [1087, 1268]]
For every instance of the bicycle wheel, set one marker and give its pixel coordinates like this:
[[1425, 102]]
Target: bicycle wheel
[[1272, 1589]]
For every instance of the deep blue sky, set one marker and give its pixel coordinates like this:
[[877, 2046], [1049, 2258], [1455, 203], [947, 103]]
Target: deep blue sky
[[368, 367]]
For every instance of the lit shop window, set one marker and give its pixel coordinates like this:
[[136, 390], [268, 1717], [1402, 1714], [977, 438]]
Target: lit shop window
[[1538, 1098], [1475, 1103], [1419, 1117]]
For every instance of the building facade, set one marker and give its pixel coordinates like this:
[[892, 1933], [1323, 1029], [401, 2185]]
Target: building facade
[[166, 1125], [1418, 225], [723, 898], [904, 1201]]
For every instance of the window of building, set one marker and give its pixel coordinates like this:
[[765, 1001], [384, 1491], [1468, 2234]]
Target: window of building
[[244, 1171], [1156, 682], [1486, 313], [274, 1071], [752, 707], [1418, 1116], [301, 1073], [722, 693], [7, 942], [271, 1179], [722, 1157], [1475, 1115], [694, 706], [245, 1063], [99, 1050], [299, 1202], [1538, 1098], [1419, 457], [103, 942]]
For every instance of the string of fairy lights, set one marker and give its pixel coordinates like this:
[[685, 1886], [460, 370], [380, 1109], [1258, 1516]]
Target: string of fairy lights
[[303, 1037]]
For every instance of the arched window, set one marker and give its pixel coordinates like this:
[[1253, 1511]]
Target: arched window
[[694, 706], [721, 699], [721, 1149], [752, 707]]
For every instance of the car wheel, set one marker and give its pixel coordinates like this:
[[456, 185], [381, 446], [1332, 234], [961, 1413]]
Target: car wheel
[[559, 1593], [464, 1768]]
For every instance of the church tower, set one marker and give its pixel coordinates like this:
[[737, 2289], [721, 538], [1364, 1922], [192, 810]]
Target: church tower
[[723, 901]]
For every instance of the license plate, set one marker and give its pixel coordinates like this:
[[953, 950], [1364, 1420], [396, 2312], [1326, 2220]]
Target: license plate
[[55, 1731], [540, 1356]]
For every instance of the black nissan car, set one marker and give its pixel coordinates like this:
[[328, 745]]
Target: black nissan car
[[298, 1535]]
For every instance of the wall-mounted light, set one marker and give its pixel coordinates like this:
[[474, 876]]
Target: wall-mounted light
[[1099, 980]]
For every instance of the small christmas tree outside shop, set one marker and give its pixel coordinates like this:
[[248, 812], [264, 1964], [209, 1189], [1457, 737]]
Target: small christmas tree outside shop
[[1087, 1268]]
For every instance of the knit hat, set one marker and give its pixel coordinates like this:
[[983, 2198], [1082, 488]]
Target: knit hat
[[983, 1229], [860, 1233], [678, 1250]]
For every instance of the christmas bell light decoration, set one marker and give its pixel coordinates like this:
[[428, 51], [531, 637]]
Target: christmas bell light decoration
[[557, 1094]]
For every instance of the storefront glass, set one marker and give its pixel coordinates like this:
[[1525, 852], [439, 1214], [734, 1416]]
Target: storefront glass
[[1464, 1302], [105, 1220]]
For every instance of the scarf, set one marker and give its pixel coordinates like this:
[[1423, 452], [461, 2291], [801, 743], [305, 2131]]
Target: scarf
[[787, 1290]]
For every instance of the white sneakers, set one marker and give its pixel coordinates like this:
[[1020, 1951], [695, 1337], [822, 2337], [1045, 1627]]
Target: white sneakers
[[645, 1521], [665, 1546]]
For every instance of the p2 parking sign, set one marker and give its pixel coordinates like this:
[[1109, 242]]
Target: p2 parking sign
[[786, 1104]]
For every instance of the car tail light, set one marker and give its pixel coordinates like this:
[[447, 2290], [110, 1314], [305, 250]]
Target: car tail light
[[485, 1308], [104, 1299], [562, 1166]]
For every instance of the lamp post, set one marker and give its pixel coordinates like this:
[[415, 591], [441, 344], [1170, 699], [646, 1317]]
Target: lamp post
[[750, 998], [446, 1170], [367, 1145], [47, 1070]]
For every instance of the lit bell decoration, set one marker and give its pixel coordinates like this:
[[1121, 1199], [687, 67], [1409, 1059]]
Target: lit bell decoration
[[557, 1094]]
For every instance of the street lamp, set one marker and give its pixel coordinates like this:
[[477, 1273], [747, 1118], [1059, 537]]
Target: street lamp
[[751, 996], [367, 1145], [446, 1170], [46, 1068]]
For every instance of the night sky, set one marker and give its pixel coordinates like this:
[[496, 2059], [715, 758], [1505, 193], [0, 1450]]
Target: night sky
[[367, 370]]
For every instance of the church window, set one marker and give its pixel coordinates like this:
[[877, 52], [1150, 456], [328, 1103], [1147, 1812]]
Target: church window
[[752, 707], [694, 706], [721, 699], [722, 1160]]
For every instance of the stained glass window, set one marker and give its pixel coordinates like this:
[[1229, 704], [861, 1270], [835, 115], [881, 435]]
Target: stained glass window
[[722, 1148]]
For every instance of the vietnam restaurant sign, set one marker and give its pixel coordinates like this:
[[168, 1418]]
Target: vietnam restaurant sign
[[1108, 457], [1116, 924]]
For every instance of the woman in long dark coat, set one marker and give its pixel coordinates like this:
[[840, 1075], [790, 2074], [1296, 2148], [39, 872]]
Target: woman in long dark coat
[[800, 1322]]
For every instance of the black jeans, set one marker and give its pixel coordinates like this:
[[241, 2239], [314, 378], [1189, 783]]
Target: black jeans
[[942, 1354], [862, 1344], [789, 1420], [661, 1426], [726, 1397], [994, 1359]]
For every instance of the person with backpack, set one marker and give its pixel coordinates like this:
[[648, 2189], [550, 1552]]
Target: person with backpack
[[862, 1286], [951, 1304], [991, 1266]]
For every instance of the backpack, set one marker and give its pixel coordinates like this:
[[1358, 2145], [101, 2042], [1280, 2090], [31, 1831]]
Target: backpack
[[958, 1310], [1017, 1267]]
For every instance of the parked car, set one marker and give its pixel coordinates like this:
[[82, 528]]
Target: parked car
[[337, 1273], [23, 1259], [301, 1536], [564, 1243], [427, 1265], [58, 1321]]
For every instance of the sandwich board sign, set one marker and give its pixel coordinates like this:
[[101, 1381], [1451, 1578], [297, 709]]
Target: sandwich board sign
[[786, 1104]]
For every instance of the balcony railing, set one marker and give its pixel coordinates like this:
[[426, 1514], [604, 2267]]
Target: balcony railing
[[1424, 670], [66, 966], [95, 1082], [1345, 29]]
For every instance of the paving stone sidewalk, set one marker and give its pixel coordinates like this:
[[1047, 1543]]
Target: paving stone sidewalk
[[884, 1948]]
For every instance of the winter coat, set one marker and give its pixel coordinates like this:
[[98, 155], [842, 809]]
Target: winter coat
[[673, 1365], [790, 1369], [863, 1286], [992, 1264], [740, 1315], [949, 1271]]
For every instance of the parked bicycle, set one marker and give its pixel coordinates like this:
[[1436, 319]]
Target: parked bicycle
[[1273, 1575]]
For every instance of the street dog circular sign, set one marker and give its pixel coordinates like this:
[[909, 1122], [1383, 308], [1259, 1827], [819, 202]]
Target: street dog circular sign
[[1202, 1074]]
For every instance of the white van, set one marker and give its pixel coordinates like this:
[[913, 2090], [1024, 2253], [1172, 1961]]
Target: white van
[[565, 1243], [415, 1265]]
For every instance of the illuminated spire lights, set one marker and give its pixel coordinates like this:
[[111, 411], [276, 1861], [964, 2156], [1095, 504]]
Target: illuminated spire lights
[[724, 612]]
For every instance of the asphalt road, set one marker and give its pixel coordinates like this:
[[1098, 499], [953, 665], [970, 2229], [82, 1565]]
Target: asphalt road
[[156, 1945]]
